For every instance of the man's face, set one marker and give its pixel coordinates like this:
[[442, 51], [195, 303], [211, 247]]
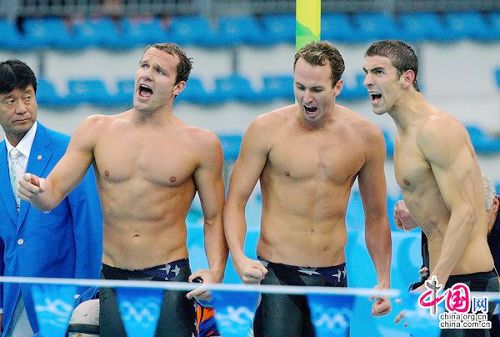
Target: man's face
[[18, 112], [313, 90], [155, 80], [383, 83]]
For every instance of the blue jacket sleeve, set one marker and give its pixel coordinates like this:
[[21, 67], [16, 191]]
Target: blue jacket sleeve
[[1, 271], [87, 227]]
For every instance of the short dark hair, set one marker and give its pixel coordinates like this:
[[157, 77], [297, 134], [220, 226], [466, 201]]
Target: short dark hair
[[185, 62], [402, 56], [319, 53], [15, 74]]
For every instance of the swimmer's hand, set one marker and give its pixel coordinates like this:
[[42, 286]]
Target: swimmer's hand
[[250, 271], [381, 305], [30, 187], [402, 217], [201, 293]]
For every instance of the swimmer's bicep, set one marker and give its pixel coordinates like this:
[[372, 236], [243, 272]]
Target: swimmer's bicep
[[451, 161]]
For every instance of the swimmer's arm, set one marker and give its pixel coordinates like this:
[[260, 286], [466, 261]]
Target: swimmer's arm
[[372, 186], [210, 184], [453, 164], [244, 177], [46, 194]]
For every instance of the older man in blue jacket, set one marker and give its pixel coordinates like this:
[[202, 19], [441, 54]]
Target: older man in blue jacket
[[65, 242]]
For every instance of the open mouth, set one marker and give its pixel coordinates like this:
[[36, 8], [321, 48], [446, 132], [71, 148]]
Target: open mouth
[[310, 110], [375, 97], [145, 91]]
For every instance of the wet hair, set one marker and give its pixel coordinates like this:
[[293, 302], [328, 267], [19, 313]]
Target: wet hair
[[185, 62], [318, 54], [489, 192], [15, 74], [402, 56]]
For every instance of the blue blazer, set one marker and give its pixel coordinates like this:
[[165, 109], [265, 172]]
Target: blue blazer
[[66, 242]]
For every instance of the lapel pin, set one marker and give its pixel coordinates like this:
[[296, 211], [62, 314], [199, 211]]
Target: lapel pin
[[39, 157]]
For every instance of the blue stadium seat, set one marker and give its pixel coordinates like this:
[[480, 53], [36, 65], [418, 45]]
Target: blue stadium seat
[[424, 26], [91, 91], [372, 26], [99, 32], [235, 87], [195, 30], [338, 28], [482, 142], [354, 90], [143, 31], [10, 38], [389, 145], [46, 93], [279, 27], [277, 87], [494, 22], [242, 30], [230, 146], [49, 33], [497, 77], [469, 25], [355, 217], [195, 93], [125, 93]]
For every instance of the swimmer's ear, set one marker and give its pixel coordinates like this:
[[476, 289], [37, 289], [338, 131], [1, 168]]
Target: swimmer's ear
[[407, 78], [179, 87], [337, 89]]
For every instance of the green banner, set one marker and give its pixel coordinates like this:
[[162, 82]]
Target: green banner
[[308, 22]]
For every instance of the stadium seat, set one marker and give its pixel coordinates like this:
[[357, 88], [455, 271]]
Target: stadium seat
[[46, 93], [373, 26], [494, 21], [468, 25], [242, 30], [277, 87], [91, 91], [482, 142], [355, 217], [99, 32], [424, 26], [280, 28], [354, 90], [195, 30], [49, 33], [143, 31], [231, 146], [497, 77], [125, 93], [10, 37], [389, 145], [195, 93], [235, 87], [338, 28]]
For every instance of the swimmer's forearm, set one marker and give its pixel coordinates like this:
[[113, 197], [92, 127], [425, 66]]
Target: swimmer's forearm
[[378, 242], [235, 229], [455, 240]]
